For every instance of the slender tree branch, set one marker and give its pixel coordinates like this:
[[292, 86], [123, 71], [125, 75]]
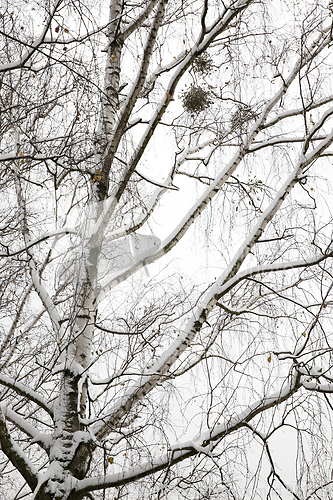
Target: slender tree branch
[[16, 455], [26, 392]]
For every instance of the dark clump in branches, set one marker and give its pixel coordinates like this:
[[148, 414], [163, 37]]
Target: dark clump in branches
[[196, 99], [203, 64], [243, 115]]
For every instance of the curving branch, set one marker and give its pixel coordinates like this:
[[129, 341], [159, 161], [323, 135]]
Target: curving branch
[[20, 63], [298, 111], [142, 17], [162, 366], [183, 451], [26, 392], [21, 423], [278, 266], [52, 234], [16, 455]]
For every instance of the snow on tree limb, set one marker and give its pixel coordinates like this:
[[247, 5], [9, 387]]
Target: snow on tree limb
[[26, 392], [182, 451], [191, 136], [44, 237], [33, 47], [16, 455], [41, 438], [146, 384]]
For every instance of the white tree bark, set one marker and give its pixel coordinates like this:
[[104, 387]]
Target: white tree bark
[[92, 351]]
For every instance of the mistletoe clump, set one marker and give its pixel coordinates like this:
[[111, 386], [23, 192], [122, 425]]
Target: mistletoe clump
[[243, 115], [196, 99], [203, 64]]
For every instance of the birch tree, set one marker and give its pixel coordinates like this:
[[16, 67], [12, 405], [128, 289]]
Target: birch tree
[[166, 249]]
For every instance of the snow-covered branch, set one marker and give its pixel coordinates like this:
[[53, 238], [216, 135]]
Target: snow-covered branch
[[16, 455], [21, 423], [51, 234], [282, 140], [267, 268], [203, 201], [26, 392], [32, 48], [147, 383], [314, 385], [139, 20], [297, 111], [74, 156], [181, 451]]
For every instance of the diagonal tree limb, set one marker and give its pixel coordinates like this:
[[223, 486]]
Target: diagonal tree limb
[[171, 241], [31, 431], [147, 383], [222, 24], [180, 452], [26, 392], [34, 46], [142, 17], [16, 455]]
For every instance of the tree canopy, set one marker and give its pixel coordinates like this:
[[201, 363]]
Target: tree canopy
[[166, 249]]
